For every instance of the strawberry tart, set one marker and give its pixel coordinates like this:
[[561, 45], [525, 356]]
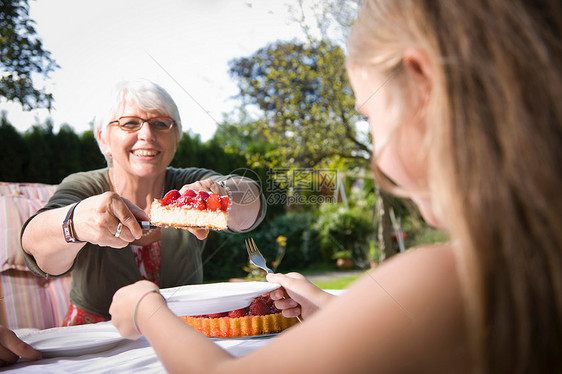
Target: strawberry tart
[[260, 318], [191, 210]]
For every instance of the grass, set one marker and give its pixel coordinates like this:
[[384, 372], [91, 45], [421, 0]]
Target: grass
[[337, 284]]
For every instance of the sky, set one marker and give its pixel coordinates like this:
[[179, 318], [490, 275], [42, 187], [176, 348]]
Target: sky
[[183, 45]]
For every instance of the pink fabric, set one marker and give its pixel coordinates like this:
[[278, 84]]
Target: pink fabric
[[58, 292], [38, 191], [31, 301], [14, 211], [17, 203], [28, 301]]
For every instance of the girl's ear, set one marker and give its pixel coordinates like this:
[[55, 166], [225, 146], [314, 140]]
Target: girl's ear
[[419, 67]]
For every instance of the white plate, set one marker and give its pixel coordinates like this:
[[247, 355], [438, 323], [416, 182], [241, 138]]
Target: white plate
[[210, 298], [74, 340]]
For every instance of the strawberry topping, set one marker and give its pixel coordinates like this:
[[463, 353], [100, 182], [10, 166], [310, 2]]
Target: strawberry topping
[[200, 205], [214, 202], [225, 202], [203, 195], [217, 315], [190, 193], [185, 200], [170, 197], [201, 200], [259, 307], [237, 313]]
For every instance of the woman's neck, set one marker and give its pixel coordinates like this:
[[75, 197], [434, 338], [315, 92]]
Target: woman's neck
[[140, 191]]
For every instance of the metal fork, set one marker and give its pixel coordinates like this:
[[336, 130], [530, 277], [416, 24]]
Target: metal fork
[[257, 259], [255, 255]]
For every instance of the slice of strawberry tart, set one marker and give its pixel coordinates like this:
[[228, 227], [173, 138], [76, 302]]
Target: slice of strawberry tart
[[260, 318], [191, 210]]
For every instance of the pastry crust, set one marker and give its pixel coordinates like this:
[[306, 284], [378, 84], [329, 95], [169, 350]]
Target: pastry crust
[[228, 327]]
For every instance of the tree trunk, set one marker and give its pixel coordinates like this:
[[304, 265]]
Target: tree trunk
[[384, 236]]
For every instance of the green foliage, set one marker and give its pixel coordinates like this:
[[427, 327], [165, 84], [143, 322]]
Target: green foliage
[[192, 152], [420, 233], [89, 153], [188, 153], [344, 229], [41, 143], [302, 248], [342, 254], [225, 255], [307, 103], [21, 56], [242, 150], [40, 155], [14, 156]]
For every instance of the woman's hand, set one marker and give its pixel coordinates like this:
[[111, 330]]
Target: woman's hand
[[108, 220], [12, 348], [208, 185], [298, 295], [134, 296]]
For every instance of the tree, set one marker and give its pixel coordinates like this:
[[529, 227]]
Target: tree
[[22, 55], [188, 153], [326, 20], [40, 141], [308, 105], [65, 158], [15, 155], [89, 153], [243, 148], [333, 21]]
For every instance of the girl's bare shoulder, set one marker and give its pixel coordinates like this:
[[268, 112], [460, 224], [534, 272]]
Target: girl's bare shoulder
[[418, 297]]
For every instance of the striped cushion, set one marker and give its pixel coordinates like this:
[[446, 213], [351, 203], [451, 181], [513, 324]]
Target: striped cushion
[[31, 301], [58, 291], [38, 191], [26, 300], [18, 201]]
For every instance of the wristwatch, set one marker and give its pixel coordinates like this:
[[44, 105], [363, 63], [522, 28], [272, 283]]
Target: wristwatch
[[68, 226]]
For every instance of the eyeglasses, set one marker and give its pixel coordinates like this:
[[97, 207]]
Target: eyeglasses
[[133, 124]]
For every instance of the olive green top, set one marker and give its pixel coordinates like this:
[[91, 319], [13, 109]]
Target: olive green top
[[98, 272]]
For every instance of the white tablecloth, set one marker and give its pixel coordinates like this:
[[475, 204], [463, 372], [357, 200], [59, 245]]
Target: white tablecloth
[[126, 357]]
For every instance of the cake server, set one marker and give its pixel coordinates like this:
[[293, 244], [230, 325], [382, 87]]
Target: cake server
[[147, 225]]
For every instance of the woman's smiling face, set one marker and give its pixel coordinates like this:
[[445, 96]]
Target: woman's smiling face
[[143, 153]]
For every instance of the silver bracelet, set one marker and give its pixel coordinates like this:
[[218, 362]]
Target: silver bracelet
[[138, 303]]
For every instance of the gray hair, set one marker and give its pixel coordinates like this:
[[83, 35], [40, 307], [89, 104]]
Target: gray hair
[[147, 95]]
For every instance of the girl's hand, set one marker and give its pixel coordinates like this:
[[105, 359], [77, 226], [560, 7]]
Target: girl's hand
[[298, 296], [137, 296]]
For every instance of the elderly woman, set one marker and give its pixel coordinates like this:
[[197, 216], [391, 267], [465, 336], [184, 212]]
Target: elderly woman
[[89, 227]]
